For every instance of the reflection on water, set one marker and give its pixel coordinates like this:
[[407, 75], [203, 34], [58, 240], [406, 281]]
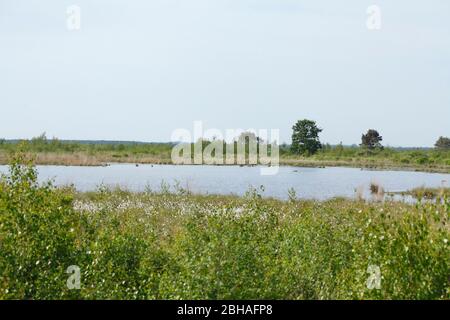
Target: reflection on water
[[308, 183]]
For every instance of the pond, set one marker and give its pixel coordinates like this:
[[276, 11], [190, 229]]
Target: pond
[[308, 183]]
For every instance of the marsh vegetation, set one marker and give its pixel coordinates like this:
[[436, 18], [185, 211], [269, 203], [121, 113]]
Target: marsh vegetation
[[174, 245], [96, 153]]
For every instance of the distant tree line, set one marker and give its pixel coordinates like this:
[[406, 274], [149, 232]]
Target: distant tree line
[[442, 143], [305, 139]]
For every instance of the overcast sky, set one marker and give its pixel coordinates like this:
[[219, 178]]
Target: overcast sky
[[139, 69]]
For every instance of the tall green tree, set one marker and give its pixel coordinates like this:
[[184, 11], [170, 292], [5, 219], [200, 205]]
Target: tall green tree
[[305, 137], [442, 143], [371, 140]]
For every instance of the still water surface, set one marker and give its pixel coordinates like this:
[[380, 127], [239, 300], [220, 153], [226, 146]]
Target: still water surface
[[309, 183]]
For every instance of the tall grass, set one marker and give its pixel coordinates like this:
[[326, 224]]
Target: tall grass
[[178, 245], [431, 159], [54, 151], [426, 193]]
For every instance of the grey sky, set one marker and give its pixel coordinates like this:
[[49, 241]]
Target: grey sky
[[139, 69]]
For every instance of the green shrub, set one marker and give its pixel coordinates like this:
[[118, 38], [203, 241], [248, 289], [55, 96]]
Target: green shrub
[[404, 160], [36, 233], [179, 245]]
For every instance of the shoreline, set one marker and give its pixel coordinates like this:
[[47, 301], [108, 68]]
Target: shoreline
[[83, 160]]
